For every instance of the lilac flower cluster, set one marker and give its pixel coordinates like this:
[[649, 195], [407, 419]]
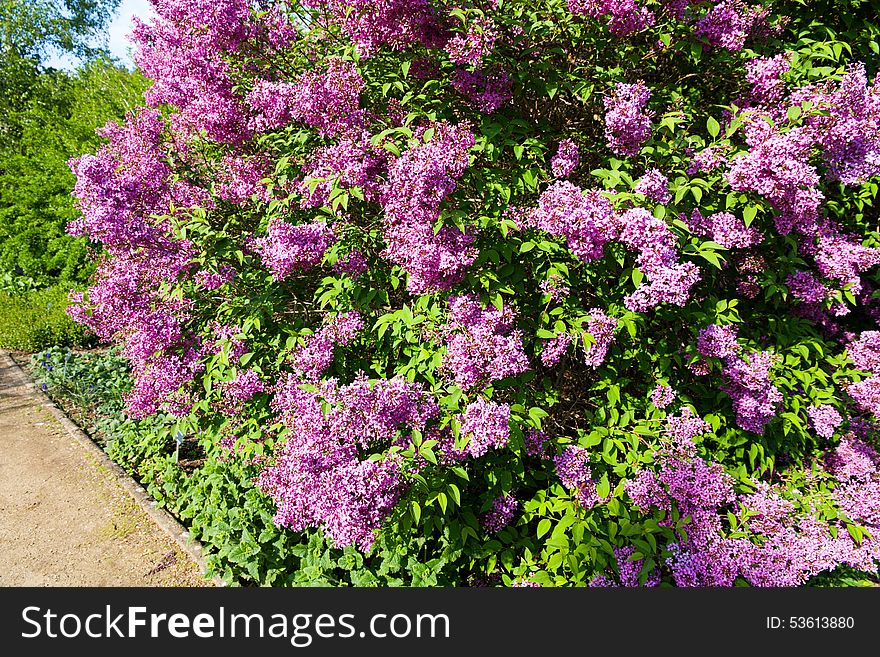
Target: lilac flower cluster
[[554, 349], [717, 341], [536, 443], [272, 105], [487, 90], [319, 478], [662, 395], [747, 382], [418, 181], [555, 288], [473, 46], [211, 280], [627, 121], [786, 545], [846, 125], [235, 393], [777, 167], [627, 17], [729, 23], [566, 159], [706, 161], [239, 179], [120, 192], [371, 24], [601, 329], [351, 162], [573, 470], [482, 344], [670, 281], [865, 352], [313, 358], [184, 51], [765, 76], [806, 288], [655, 186], [586, 221], [628, 571], [852, 459], [329, 101], [500, 515], [725, 229], [746, 379], [353, 264], [287, 248], [684, 427], [485, 425]]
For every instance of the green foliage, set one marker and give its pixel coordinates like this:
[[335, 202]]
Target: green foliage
[[32, 29], [30, 321], [58, 123]]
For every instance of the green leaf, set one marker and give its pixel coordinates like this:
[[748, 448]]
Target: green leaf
[[713, 126], [544, 527]]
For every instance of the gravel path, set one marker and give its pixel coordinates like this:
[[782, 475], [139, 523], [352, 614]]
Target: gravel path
[[64, 518]]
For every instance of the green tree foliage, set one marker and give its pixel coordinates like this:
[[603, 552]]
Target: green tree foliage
[[58, 122], [31, 29]]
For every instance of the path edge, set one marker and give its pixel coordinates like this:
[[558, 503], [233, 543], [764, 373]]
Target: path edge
[[190, 546]]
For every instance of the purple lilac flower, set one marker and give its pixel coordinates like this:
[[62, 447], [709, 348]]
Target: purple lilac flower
[[566, 159], [418, 181], [318, 478], [586, 221], [725, 229], [629, 570], [806, 287], [655, 186], [395, 23], [485, 425], [728, 24], [555, 288], [747, 383], [825, 419], [482, 344], [554, 349], [287, 248], [475, 45], [601, 329], [353, 264], [573, 470], [852, 459], [627, 122], [662, 395], [487, 90], [500, 515], [865, 352], [717, 341], [536, 443]]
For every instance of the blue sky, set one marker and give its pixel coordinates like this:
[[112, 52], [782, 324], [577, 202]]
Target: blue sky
[[117, 33]]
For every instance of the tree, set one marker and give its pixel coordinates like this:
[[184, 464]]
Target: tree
[[30, 29], [57, 123]]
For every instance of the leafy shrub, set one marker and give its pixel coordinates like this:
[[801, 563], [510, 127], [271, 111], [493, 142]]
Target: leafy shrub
[[519, 293], [30, 321], [58, 122]]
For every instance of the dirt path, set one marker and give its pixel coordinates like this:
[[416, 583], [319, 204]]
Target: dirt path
[[64, 519]]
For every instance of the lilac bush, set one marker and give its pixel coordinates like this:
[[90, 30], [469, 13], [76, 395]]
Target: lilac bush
[[509, 292]]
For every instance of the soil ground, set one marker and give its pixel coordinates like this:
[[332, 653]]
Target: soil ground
[[64, 520]]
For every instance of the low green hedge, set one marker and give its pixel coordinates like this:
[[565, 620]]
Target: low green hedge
[[34, 320]]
